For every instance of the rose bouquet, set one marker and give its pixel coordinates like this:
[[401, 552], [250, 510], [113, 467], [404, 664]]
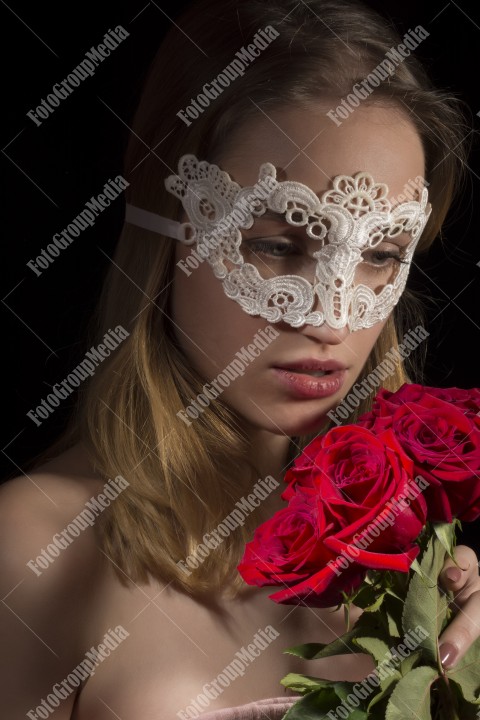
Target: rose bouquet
[[372, 509]]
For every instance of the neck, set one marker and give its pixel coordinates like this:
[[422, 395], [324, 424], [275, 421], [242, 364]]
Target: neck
[[268, 453]]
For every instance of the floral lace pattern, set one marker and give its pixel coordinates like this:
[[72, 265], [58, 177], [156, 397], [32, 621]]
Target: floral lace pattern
[[353, 217]]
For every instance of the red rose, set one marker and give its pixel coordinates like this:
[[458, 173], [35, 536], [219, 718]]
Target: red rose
[[289, 549], [468, 401], [351, 507], [443, 440], [380, 416], [301, 473]]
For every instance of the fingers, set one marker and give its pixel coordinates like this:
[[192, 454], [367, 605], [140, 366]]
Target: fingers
[[462, 577], [463, 630], [464, 582]]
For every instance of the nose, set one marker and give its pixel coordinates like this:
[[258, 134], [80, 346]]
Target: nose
[[325, 334]]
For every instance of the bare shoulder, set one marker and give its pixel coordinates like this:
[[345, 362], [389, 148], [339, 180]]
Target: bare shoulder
[[37, 506], [49, 563]]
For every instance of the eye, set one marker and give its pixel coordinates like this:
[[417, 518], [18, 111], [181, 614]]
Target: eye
[[383, 258], [273, 247]]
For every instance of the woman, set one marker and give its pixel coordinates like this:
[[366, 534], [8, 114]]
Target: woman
[[158, 464]]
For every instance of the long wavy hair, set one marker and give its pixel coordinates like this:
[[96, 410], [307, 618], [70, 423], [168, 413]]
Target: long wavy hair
[[185, 480]]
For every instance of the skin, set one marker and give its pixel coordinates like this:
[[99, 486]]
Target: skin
[[310, 150], [176, 644], [305, 147]]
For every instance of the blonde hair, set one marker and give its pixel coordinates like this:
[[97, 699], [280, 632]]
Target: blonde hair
[[185, 480]]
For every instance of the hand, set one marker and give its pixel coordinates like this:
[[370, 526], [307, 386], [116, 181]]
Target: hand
[[464, 582]]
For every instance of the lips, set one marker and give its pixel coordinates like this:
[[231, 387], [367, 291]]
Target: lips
[[311, 378], [312, 366]]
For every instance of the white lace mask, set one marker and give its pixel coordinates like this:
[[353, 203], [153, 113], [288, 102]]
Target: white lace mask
[[350, 250]]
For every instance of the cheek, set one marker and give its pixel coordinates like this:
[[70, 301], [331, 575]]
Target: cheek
[[363, 341], [196, 295], [193, 322], [193, 315], [209, 327]]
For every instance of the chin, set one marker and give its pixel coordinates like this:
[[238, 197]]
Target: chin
[[301, 426]]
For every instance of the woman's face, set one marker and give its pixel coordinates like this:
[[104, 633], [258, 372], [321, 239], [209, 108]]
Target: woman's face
[[307, 147]]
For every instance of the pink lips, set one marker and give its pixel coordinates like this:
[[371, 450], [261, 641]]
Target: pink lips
[[294, 376]]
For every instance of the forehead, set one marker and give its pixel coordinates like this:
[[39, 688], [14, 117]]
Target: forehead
[[306, 146]]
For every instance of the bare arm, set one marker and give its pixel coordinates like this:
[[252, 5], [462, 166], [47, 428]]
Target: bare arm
[[45, 605]]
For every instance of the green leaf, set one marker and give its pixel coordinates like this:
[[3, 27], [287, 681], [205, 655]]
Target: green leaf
[[415, 566], [393, 594], [314, 651], [369, 597], [304, 684], [410, 699], [466, 674], [409, 662], [308, 651], [344, 690], [392, 625], [372, 624], [374, 646], [393, 675], [426, 605], [385, 690], [369, 625], [389, 682], [392, 610], [445, 532], [315, 705], [376, 605]]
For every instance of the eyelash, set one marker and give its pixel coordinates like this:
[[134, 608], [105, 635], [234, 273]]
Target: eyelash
[[386, 255], [266, 247]]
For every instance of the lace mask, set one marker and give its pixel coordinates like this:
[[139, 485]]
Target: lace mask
[[331, 257]]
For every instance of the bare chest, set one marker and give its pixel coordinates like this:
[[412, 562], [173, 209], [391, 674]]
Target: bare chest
[[162, 652]]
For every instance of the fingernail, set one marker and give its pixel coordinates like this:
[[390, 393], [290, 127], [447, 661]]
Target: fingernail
[[454, 574], [448, 654]]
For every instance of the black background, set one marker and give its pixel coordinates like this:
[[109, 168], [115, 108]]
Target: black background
[[52, 170]]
